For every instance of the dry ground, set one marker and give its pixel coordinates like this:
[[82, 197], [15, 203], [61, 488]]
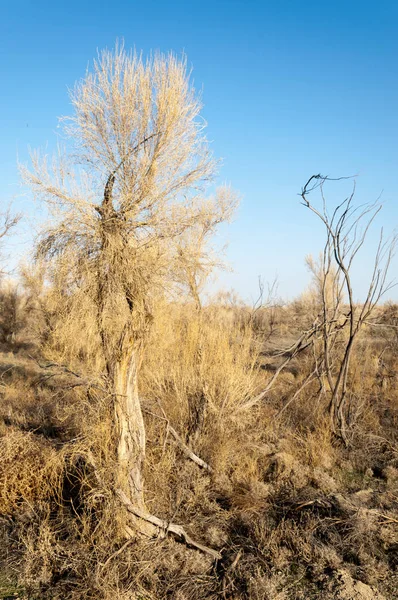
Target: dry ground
[[294, 513]]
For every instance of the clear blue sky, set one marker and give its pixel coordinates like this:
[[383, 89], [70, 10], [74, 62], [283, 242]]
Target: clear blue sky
[[290, 88]]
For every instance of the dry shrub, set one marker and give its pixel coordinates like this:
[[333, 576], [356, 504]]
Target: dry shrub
[[30, 471], [12, 312], [63, 324], [193, 354], [201, 367], [64, 515]]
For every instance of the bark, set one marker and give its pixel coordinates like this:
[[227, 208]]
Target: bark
[[130, 427], [130, 432], [337, 402]]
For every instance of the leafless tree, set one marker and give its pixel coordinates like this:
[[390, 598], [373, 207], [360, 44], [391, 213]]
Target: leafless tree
[[10, 300], [125, 205], [8, 220], [341, 317]]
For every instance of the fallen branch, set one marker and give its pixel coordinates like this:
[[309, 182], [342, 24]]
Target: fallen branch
[[167, 527], [186, 449], [65, 370], [49, 365]]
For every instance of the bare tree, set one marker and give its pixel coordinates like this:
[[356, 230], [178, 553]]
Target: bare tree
[[119, 204], [8, 221], [12, 311], [10, 300], [341, 317]]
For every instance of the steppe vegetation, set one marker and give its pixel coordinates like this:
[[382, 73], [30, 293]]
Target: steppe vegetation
[[153, 445]]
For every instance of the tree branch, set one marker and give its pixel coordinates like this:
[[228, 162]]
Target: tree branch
[[167, 527], [186, 450]]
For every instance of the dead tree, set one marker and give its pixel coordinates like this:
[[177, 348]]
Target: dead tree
[[10, 301], [341, 317], [119, 205], [8, 221]]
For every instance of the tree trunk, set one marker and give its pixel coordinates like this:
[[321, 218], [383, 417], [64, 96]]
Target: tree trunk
[[130, 432], [130, 428], [122, 357], [337, 402]]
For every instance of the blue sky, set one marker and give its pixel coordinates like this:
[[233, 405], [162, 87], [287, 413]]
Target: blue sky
[[290, 88]]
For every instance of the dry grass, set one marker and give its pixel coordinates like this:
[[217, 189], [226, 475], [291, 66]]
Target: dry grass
[[295, 514]]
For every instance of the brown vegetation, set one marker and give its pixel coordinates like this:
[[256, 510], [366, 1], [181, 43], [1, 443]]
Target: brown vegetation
[[153, 446], [292, 512]]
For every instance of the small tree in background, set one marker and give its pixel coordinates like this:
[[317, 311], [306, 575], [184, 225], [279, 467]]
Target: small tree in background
[[125, 206], [7, 223], [341, 317], [10, 301]]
